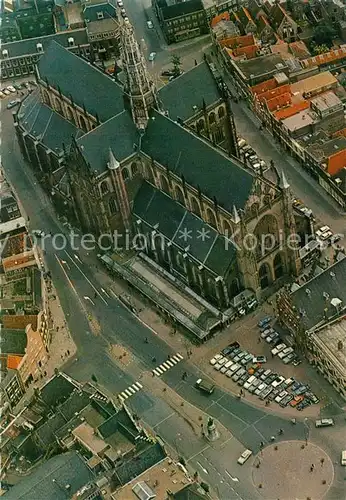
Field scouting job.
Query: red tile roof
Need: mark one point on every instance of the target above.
(279, 101)
(222, 17)
(270, 94)
(340, 133)
(291, 110)
(327, 57)
(336, 162)
(299, 49)
(249, 51)
(238, 41)
(13, 361)
(264, 86)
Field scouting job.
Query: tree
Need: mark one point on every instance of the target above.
(94, 378)
(323, 34)
(176, 65)
(319, 49)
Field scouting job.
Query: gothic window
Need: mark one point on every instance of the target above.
(278, 266)
(58, 107)
(112, 207)
(179, 195)
(125, 173)
(104, 187)
(134, 169)
(164, 184)
(210, 217)
(83, 124)
(150, 175)
(265, 276)
(70, 116)
(221, 112)
(267, 235)
(46, 98)
(200, 125)
(227, 230)
(195, 207)
(212, 118)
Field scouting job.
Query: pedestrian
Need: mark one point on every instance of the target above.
(322, 462)
(259, 340)
(312, 467)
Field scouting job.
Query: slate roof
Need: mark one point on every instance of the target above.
(68, 468)
(155, 207)
(29, 45)
(170, 10)
(200, 164)
(78, 79)
(39, 120)
(179, 96)
(118, 133)
(12, 341)
(56, 390)
(312, 304)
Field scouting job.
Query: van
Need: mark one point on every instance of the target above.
(324, 422)
(343, 457)
(205, 386)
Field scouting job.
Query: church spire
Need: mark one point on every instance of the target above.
(138, 86)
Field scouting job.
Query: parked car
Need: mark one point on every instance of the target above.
(266, 332)
(226, 367)
(296, 400)
(246, 359)
(285, 352)
(281, 396)
(13, 104)
(18, 86)
(234, 353)
(288, 382)
(278, 381)
(304, 404)
(264, 394)
(243, 379)
(273, 394)
(152, 56)
(259, 359)
(286, 400)
(260, 388)
(272, 338)
(265, 374)
(5, 91)
(2, 95)
(264, 321)
(215, 359)
(220, 363)
(249, 381)
(278, 348)
(244, 457)
(301, 390)
(254, 386)
(241, 143)
(236, 376)
(288, 359)
(11, 89)
(150, 24)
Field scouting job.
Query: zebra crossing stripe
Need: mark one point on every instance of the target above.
(138, 386)
(159, 369)
(156, 372)
(131, 389)
(170, 363)
(179, 356)
(166, 365)
(123, 395)
(162, 367)
(175, 359)
(128, 392)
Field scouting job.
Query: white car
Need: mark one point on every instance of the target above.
(281, 396)
(226, 366)
(5, 91)
(260, 388)
(215, 359)
(220, 363)
(11, 89)
(244, 457)
(250, 381)
(278, 381)
(278, 348)
(150, 24)
(285, 352)
(2, 95)
(152, 56)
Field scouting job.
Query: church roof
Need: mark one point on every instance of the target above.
(41, 122)
(119, 133)
(77, 78)
(198, 162)
(184, 229)
(180, 95)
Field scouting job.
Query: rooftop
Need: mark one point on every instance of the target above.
(172, 8)
(264, 65)
(323, 150)
(284, 113)
(325, 58)
(310, 299)
(50, 479)
(95, 27)
(326, 101)
(179, 96)
(58, 65)
(13, 341)
(314, 83)
(333, 337)
(85, 434)
(200, 164)
(164, 476)
(299, 120)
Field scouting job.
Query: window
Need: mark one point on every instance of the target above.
(100, 15)
(104, 187)
(83, 124)
(126, 174)
(134, 169)
(112, 207)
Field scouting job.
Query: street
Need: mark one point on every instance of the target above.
(84, 295)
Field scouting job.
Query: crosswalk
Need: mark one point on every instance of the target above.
(166, 365)
(130, 391)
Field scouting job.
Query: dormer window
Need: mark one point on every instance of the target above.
(70, 41)
(100, 15)
(39, 47)
(5, 53)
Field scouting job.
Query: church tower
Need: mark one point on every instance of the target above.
(138, 86)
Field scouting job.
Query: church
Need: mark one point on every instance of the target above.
(162, 166)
